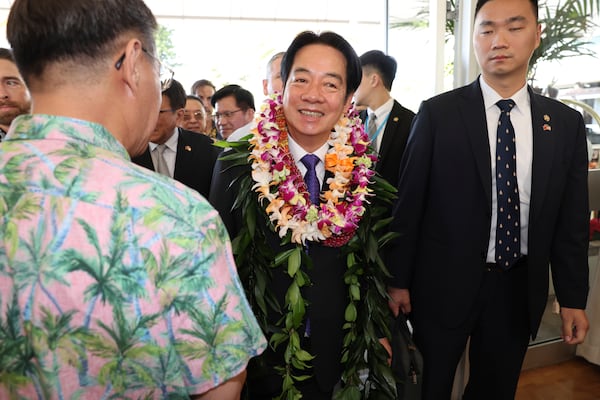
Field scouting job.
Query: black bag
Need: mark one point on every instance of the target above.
(407, 361)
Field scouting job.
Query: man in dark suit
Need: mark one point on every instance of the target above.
(183, 155)
(387, 121)
(320, 74)
(458, 267)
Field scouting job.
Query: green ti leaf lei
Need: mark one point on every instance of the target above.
(367, 314)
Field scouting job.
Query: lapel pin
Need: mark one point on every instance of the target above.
(396, 119)
(546, 118)
(546, 127)
(188, 148)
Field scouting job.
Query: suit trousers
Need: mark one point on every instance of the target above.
(498, 328)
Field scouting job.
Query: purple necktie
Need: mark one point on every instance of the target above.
(508, 228)
(310, 161)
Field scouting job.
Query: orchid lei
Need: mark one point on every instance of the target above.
(278, 180)
(279, 195)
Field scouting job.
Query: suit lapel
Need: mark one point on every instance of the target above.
(388, 134)
(183, 148)
(145, 159)
(472, 109)
(543, 153)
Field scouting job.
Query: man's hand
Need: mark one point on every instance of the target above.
(574, 325)
(399, 300)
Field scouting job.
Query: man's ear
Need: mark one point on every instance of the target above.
(374, 79)
(348, 102)
(179, 116)
(130, 68)
(249, 115)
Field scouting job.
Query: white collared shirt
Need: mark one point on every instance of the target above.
(170, 153)
(381, 113)
(520, 117)
(240, 132)
(298, 152)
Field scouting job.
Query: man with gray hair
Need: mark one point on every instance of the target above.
(115, 282)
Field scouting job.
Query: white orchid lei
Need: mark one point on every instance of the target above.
(275, 192)
(279, 182)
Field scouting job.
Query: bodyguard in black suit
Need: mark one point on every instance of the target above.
(189, 157)
(449, 268)
(387, 119)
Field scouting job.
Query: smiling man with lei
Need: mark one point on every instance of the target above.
(311, 268)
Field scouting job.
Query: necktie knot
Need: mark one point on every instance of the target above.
(506, 105)
(310, 161)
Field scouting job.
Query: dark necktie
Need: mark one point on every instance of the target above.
(310, 161)
(508, 228)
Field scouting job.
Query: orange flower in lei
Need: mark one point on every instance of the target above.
(279, 182)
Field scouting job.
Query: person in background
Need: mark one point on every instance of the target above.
(175, 152)
(115, 282)
(194, 115)
(14, 95)
(234, 112)
(386, 121)
(205, 90)
(492, 192)
(272, 82)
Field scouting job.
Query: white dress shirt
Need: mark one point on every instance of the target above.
(520, 117)
(298, 152)
(170, 153)
(381, 115)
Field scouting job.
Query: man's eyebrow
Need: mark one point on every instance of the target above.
(330, 74)
(510, 20)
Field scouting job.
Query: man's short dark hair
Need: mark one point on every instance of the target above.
(332, 39)
(481, 3)
(385, 66)
(42, 32)
(243, 98)
(6, 54)
(176, 95)
(201, 83)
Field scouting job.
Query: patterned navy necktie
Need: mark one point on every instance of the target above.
(310, 161)
(508, 227)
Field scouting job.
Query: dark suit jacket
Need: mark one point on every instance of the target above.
(194, 162)
(393, 142)
(443, 212)
(327, 296)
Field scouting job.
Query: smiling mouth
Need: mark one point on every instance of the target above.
(314, 114)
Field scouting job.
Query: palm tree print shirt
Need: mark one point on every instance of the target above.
(115, 282)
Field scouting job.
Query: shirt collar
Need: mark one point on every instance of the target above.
(298, 152)
(42, 126)
(383, 109)
(491, 97)
(171, 142)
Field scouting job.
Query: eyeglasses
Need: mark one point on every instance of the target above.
(197, 115)
(165, 73)
(166, 110)
(225, 114)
